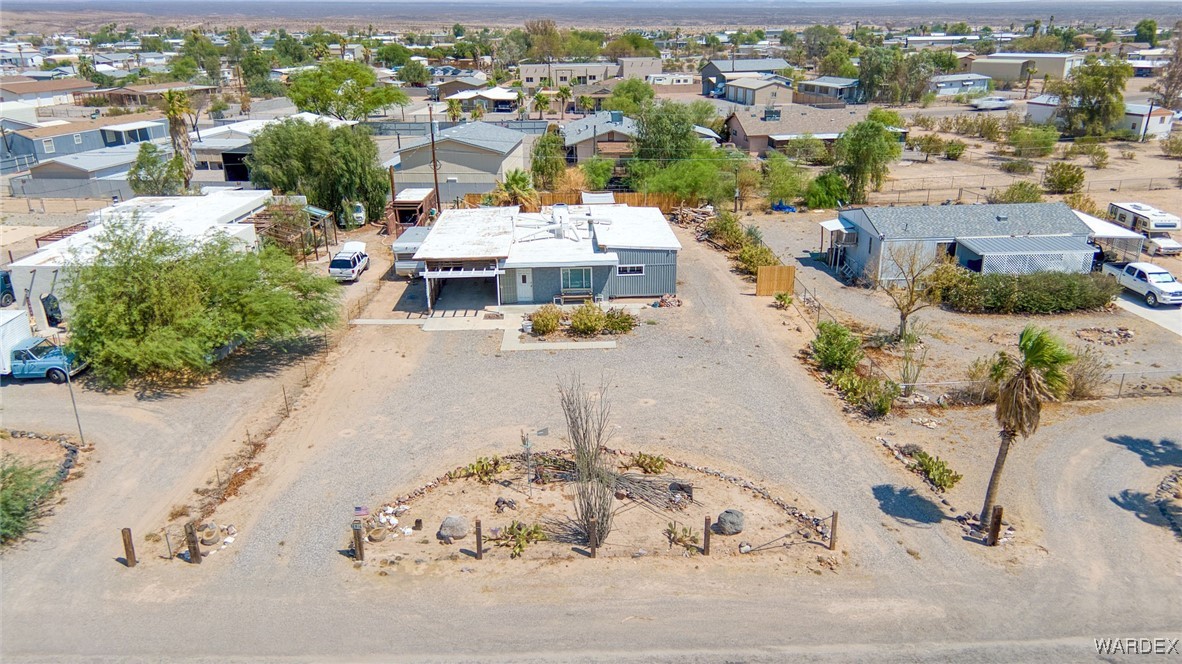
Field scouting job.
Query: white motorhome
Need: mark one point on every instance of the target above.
(1151, 222)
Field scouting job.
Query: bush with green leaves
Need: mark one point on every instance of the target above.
(1063, 178)
(588, 320)
(1034, 140)
(836, 348)
(1171, 146)
(1018, 167)
(1124, 134)
(23, 490)
(828, 190)
(936, 470)
(1023, 191)
(518, 536)
(726, 230)
(649, 464)
(1099, 158)
(546, 319)
(754, 256)
(153, 303)
(986, 373)
(874, 396)
(954, 149)
(783, 299)
(1034, 293)
(618, 321)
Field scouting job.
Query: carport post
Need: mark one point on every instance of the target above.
(427, 282)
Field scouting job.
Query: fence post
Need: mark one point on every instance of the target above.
(706, 538)
(358, 541)
(833, 533)
(994, 526)
(128, 548)
(191, 541)
(479, 535)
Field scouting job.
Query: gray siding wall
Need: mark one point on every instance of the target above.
(660, 274)
(548, 284)
(69, 188)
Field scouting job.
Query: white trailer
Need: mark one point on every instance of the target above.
(14, 328)
(1151, 222)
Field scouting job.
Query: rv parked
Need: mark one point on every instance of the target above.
(1151, 222)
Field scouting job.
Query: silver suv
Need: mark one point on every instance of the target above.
(349, 262)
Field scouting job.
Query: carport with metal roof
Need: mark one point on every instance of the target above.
(1024, 255)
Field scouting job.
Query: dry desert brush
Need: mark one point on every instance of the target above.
(588, 424)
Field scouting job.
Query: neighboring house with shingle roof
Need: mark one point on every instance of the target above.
(44, 93)
(758, 130)
(607, 133)
(24, 147)
(716, 73)
(758, 91)
(1009, 238)
(472, 158)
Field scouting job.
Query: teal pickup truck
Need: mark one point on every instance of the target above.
(23, 355)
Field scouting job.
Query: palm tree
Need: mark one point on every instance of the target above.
(177, 108)
(454, 110)
(542, 103)
(1037, 376)
(564, 96)
(516, 189)
(477, 112)
(586, 103)
(320, 51)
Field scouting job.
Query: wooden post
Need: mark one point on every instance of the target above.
(833, 533)
(593, 536)
(706, 538)
(994, 526)
(479, 541)
(418, 524)
(358, 541)
(191, 541)
(128, 548)
(168, 543)
(286, 406)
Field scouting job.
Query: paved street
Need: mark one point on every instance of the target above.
(711, 381)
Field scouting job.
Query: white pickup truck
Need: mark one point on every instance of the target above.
(1153, 283)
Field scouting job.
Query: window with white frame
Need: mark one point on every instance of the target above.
(47, 146)
(576, 278)
(630, 271)
(77, 139)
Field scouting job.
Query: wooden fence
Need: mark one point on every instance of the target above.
(773, 279)
(666, 202)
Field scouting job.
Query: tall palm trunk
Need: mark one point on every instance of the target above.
(1003, 450)
(182, 145)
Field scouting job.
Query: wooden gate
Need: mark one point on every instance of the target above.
(773, 279)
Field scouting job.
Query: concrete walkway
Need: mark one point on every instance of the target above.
(512, 341)
(1165, 315)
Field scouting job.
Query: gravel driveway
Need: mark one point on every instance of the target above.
(711, 381)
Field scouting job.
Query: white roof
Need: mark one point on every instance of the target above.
(250, 128)
(836, 224)
(625, 227)
(1107, 229)
(495, 94)
(189, 216)
(542, 240)
(132, 126)
(476, 233)
(414, 194)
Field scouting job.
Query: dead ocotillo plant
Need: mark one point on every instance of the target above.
(588, 431)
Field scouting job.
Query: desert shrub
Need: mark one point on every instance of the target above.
(1034, 141)
(1035, 293)
(874, 396)
(1018, 166)
(23, 490)
(783, 299)
(828, 190)
(1087, 373)
(726, 230)
(754, 256)
(927, 99)
(936, 470)
(588, 320)
(1019, 192)
(985, 372)
(1130, 155)
(1085, 204)
(618, 321)
(909, 449)
(1172, 146)
(1099, 158)
(923, 122)
(546, 319)
(518, 536)
(1061, 178)
(836, 348)
(1124, 134)
(649, 464)
(954, 150)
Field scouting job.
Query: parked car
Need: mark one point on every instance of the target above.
(7, 294)
(993, 104)
(25, 355)
(1153, 283)
(1159, 243)
(349, 262)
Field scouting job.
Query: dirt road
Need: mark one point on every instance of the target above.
(710, 381)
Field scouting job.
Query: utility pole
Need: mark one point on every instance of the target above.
(1148, 119)
(434, 163)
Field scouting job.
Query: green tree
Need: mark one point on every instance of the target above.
(516, 189)
(886, 118)
(585, 103)
(785, 180)
(394, 55)
(837, 63)
(818, 40)
(629, 96)
(1146, 30)
(458, 30)
(177, 108)
(1019, 192)
(183, 68)
(864, 153)
(876, 70)
(477, 112)
(199, 47)
(255, 66)
(630, 45)
(1091, 100)
(1037, 376)
(155, 174)
(828, 190)
(930, 144)
(541, 102)
(1168, 87)
(1063, 178)
(563, 96)
(454, 110)
(665, 132)
(342, 89)
(202, 294)
(330, 166)
(290, 51)
(597, 171)
(414, 73)
(548, 161)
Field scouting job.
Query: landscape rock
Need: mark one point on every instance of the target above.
(453, 527)
(744, 547)
(730, 522)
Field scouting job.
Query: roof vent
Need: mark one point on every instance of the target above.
(1002, 217)
(617, 117)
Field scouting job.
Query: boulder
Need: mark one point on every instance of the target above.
(730, 522)
(453, 527)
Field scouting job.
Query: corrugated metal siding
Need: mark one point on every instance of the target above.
(660, 274)
(509, 287)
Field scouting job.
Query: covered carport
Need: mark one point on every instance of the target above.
(1119, 244)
